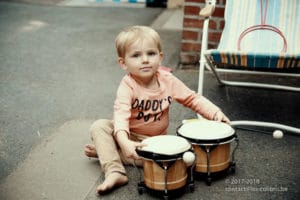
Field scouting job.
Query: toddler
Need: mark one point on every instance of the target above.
(141, 107)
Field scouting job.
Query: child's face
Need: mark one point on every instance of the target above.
(142, 59)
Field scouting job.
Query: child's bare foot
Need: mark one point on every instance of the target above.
(113, 180)
(90, 151)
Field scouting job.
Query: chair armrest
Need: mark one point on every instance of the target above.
(207, 11)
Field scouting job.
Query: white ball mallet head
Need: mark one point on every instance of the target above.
(277, 134)
(188, 158)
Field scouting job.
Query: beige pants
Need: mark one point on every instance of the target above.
(110, 155)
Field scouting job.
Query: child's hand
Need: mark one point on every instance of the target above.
(128, 147)
(221, 117)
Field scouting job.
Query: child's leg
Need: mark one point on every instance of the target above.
(102, 135)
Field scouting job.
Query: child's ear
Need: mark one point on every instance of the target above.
(161, 55)
(121, 62)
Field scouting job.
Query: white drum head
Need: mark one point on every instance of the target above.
(206, 130)
(166, 145)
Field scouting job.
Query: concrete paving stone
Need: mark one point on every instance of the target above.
(55, 169)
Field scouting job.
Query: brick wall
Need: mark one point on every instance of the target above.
(192, 31)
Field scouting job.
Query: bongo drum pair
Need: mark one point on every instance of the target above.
(211, 143)
(201, 146)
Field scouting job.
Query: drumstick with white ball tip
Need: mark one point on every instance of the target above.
(277, 134)
(266, 124)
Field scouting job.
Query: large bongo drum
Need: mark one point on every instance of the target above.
(211, 142)
(163, 164)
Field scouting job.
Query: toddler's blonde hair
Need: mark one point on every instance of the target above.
(134, 33)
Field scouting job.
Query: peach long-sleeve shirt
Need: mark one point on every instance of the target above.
(145, 111)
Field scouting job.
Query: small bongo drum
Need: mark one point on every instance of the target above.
(163, 164)
(211, 143)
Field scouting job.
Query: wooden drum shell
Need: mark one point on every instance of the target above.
(211, 142)
(219, 158)
(154, 175)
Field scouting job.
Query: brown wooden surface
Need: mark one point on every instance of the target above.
(154, 176)
(219, 158)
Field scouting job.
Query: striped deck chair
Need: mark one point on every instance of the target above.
(259, 37)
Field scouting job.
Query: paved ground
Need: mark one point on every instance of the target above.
(59, 74)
